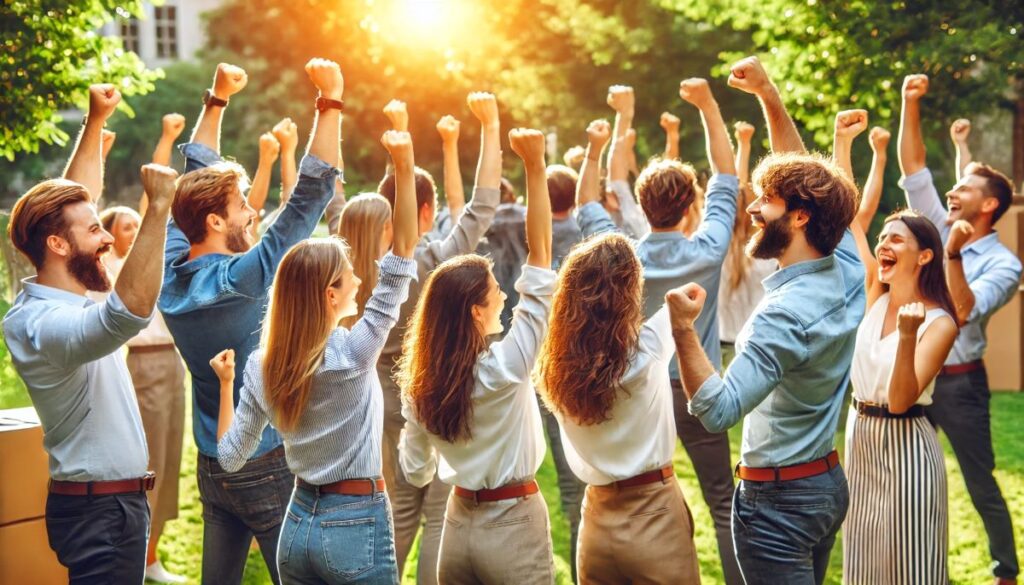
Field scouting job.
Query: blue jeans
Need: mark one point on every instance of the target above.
(331, 538)
(784, 531)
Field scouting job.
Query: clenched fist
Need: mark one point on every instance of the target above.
(398, 115)
(879, 138)
(959, 233)
(485, 107)
(528, 144)
(173, 125)
(960, 130)
(744, 131)
(850, 123)
(670, 123)
(228, 80)
(269, 148)
(448, 128)
(749, 75)
(287, 134)
(915, 86)
(598, 134)
(685, 304)
(621, 99)
(223, 365)
(103, 98)
(107, 142)
(909, 318)
(399, 146)
(326, 76)
(158, 183)
(696, 91)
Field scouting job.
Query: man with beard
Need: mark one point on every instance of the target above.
(66, 349)
(666, 190)
(793, 356)
(982, 275)
(215, 295)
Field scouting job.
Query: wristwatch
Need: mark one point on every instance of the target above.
(953, 256)
(211, 100)
(323, 103)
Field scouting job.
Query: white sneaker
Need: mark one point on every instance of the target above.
(158, 574)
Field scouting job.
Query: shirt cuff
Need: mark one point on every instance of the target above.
(724, 181)
(397, 266)
(117, 307)
(706, 396)
(916, 181)
(200, 153)
(486, 195)
(315, 168)
(536, 281)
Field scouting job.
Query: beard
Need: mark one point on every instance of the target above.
(85, 269)
(771, 241)
(236, 241)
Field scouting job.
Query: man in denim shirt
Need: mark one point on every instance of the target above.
(667, 189)
(983, 275)
(214, 297)
(793, 356)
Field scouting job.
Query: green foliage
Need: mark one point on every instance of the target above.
(52, 52)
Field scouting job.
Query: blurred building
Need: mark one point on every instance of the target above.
(167, 33)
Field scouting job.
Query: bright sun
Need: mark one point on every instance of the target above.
(437, 23)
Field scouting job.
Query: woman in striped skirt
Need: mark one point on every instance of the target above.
(895, 529)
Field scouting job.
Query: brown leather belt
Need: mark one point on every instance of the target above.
(790, 472)
(150, 348)
(505, 492)
(644, 478)
(882, 411)
(103, 488)
(967, 368)
(346, 487)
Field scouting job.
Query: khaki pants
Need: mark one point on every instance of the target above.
(496, 543)
(159, 379)
(640, 535)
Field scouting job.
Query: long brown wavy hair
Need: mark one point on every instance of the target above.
(594, 330)
(297, 328)
(442, 344)
(362, 222)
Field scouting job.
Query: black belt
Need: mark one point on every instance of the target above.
(880, 411)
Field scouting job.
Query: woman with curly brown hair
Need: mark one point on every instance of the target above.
(604, 373)
(470, 408)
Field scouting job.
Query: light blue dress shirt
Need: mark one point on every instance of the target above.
(992, 271)
(792, 363)
(67, 349)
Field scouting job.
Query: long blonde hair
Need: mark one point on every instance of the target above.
(297, 328)
(362, 222)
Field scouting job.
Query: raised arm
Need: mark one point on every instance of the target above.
(956, 279)
(697, 92)
(622, 100)
(399, 146)
(670, 124)
(86, 163)
(749, 75)
(227, 81)
(398, 114)
(488, 171)
(588, 186)
(172, 125)
(454, 195)
(326, 138)
(138, 286)
(269, 149)
(529, 145)
(223, 365)
(848, 125)
(287, 134)
(107, 139)
(959, 132)
(872, 194)
(911, 145)
(744, 133)
(917, 362)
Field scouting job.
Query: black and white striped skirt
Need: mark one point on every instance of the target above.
(896, 530)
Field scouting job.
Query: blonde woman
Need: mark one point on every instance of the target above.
(366, 228)
(318, 384)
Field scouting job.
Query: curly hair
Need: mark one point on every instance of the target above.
(594, 330)
(666, 189)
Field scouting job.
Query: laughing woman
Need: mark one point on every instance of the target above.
(471, 410)
(317, 383)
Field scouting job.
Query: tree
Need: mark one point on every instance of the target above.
(53, 53)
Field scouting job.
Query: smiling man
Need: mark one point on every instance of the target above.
(982, 275)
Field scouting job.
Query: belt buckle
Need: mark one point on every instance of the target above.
(149, 481)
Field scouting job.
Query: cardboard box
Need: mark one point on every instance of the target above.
(25, 555)
(1004, 357)
(24, 467)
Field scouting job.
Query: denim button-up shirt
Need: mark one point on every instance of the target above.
(992, 270)
(671, 260)
(792, 362)
(218, 301)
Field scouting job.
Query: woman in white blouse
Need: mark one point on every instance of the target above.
(896, 528)
(471, 410)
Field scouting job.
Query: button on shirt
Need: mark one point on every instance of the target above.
(671, 260)
(218, 301)
(792, 363)
(508, 437)
(68, 350)
(992, 270)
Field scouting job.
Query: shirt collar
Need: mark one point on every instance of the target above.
(982, 245)
(49, 293)
(784, 275)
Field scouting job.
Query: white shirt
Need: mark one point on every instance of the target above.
(640, 433)
(156, 332)
(507, 443)
(874, 355)
(736, 304)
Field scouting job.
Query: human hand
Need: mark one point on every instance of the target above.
(959, 233)
(326, 76)
(107, 142)
(670, 123)
(960, 130)
(173, 125)
(743, 131)
(850, 123)
(909, 318)
(158, 183)
(223, 365)
(598, 134)
(915, 86)
(398, 115)
(485, 107)
(448, 128)
(696, 91)
(228, 80)
(685, 304)
(528, 144)
(103, 98)
(879, 138)
(269, 148)
(287, 135)
(749, 75)
(621, 99)
(399, 146)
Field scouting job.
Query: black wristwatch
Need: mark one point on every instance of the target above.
(211, 100)
(323, 103)
(953, 256)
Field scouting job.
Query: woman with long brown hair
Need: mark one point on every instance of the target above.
(471, 410)
(366, 228)
(316, 382)
(604, 373)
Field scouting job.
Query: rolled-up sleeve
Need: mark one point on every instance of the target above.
(242, 438)
(594, 219)
(634, 224)
(924, 198)
(198, 156)
(71, 336)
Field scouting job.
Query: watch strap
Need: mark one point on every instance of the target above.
(211, 100)
(323, 103)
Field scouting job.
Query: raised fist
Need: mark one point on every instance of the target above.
(398, 145)
(448, 128)
(749, 75)
(107, 142)
(287, 134)
(528, 144)
(485, 107)
(598, 134)
(960, 130)
(685, 304)
(223, 365)
(158, 183)
(173, 125)
(744, 131)
(909, 318)
(621, 99)
(696, 91)
(398, 115)
(670, 123)
(103, 98)
(959, 233)
(269, 148)
(879, 138)
(915, 86)
(228, 80)
(850, 123)
(326, 76)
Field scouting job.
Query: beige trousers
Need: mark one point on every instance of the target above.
(641, 535)
(496, 543)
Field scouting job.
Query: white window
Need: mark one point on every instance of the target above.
(129, 29)
(166, 24)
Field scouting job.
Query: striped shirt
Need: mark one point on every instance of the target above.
(338, 435)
